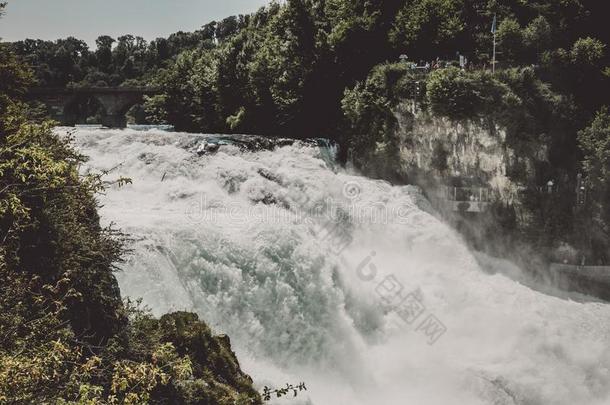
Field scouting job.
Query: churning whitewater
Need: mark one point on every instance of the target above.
(348, 284)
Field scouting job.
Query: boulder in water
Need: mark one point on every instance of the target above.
(206, 147)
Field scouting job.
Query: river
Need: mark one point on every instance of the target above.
(346, 283)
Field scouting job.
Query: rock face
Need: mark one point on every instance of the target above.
(437, 146)
(216, 374)
(436, 152)
(212, 357)
(472, 148)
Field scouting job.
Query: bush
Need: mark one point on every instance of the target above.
(587, 52)
(510, 40)
(453, 93)
(369, 112)
(66, 335)
(538, 36)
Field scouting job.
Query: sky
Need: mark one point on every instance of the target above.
(87, 19)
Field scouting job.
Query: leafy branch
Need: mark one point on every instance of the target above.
(268, 393)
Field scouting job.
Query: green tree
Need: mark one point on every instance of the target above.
(587, 81)
(369, 110)
(510, 41)
(587, 52)
(538, 37)
(103, 52)
(226, 28)
(452, 93)
(14, 82)
(288, 55)
(595, 144)
(429, 28)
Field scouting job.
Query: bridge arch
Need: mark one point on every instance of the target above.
(81, 108)
(116, 108)
(114, 102)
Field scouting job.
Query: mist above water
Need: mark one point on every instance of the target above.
(348, 284)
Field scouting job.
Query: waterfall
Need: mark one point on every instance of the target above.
(349, 284)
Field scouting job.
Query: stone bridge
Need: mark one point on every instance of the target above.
(116, 101)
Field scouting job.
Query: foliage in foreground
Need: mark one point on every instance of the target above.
(65, 335)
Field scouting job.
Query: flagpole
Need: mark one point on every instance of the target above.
(493, 62)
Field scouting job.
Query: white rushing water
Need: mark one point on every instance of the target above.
(381, 304)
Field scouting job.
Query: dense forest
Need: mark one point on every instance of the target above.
(285, 69)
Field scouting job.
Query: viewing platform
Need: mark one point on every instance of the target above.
(466, 199)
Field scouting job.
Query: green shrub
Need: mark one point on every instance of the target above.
(66, 336)
(510, 40)
(453, 93)
(587, 52)
(368, 109)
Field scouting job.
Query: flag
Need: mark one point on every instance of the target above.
(493, 25)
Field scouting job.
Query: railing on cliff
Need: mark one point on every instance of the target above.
(462, 199)
(596, 273)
